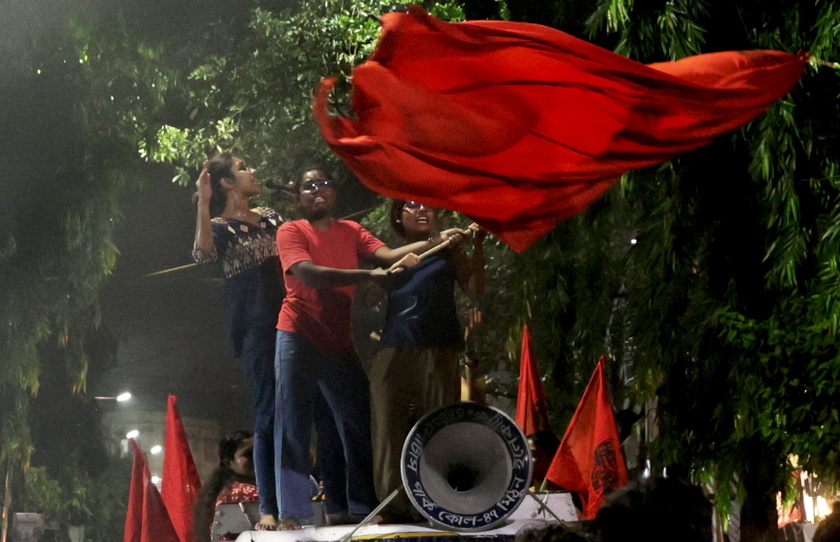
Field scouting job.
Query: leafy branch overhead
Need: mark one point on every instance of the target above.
(732, 285)
(256, 99)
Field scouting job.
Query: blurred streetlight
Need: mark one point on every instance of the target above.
(134, 433)
(156, 449)
(121, 398)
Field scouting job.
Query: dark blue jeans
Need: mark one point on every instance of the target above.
(302, 374)
(256, 353)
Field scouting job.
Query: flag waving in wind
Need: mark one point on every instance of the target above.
(589, 460)
(531, 407)
(180, 485)
(146, 519)
(519, 126)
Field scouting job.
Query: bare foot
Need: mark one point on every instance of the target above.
(289, 524)
(267, 523)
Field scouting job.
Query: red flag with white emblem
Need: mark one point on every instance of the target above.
(589, 459)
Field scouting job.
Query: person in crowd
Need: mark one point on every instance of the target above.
(564, 532)
(829, 528)
(232, 482)
(655, 510)
(416, 369)
(315, 354)
(241, 237)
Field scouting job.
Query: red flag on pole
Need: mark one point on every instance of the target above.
(180, 485)
(146, 519)
(519, 126)
(134, 512)
(531, 407)
(589, 460)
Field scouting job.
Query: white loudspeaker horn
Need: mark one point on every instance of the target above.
(466, 466)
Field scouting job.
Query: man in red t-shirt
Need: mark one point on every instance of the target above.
(315, 351)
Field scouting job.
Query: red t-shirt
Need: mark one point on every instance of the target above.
(322, 316)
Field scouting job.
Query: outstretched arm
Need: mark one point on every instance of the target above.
(294, 248)
(390, 256)
(318, 276)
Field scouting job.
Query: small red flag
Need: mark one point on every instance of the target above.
(531, 407)
(519, 126)
(134, 512)
(589, 460)
(146, 519)
(181, 484)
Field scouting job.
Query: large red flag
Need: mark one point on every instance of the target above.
(180, 485)
(146, 519)
(589, 460)
(531, 407)
(519, 126)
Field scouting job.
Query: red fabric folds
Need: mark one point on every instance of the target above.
(531, 407)
(146, 518)
(589, 460)
(519, 126)
(181, 484)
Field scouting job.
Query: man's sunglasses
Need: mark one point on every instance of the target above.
(311, 186)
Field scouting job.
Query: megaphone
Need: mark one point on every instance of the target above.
(466, 467)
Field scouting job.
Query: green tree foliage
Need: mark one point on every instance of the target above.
(710, 281)
(732, 285)
(97, 500)
(255, 98)
(75, 111)
(56, 229)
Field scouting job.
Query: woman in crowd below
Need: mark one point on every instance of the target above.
(315, 354)
(241, 237)
(416, 369)
(231, 483)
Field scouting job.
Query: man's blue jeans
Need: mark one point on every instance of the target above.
(301, 374)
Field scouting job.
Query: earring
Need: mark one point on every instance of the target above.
(398, 221)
